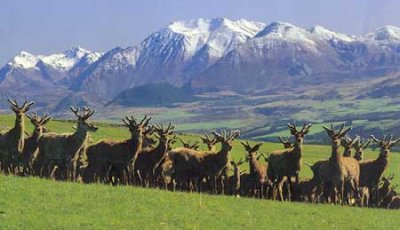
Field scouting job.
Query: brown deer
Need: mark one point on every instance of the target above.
(12, 141)
(258, 171)
(386, 192)
(360, 148)
(235, 183)
(371, 171)
(338, 170)
(63, 149)
(121, 155)
(287, 163)
(348, 144)
(148, 140)
(147, 159)
(191, 166)
(31, 143)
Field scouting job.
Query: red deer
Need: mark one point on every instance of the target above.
(258, 171)
(148, 158)
(63, 149)
(338, 170)
(235, 183)
(360, 147)
(31, 143)
(287, 163)
(12, 141)
(191, 166)
(348, 145)
(371, 171)
(106, 154)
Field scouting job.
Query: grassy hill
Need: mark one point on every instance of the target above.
(27, 202)
(32, 203)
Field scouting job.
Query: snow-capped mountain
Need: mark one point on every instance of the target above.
(173, 54)
(209, 54)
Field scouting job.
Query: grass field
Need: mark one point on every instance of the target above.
(31, 203)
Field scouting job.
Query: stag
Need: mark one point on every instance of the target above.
(235, 181)
(371, 171)
(31, 143)
(348, 144)
(360, 148)
(338, 170)
(64, 150)
(258, 171)
(12, 141)
(147, 159)
(120, 155)
(191, 166)
(287, 163)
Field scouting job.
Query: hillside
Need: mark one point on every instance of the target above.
(28, 202)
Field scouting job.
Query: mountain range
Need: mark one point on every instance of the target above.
(205, 55)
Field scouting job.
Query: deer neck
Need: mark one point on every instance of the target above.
(19, 133)
(253, 162)
(79, 137)
(223, 154)
(298, 148)
(161, 148)
(336, 157)
(137, 145)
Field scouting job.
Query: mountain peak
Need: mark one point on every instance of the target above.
(65, 60)
(206, 26)
(326, 34)
(24, 60)
(385, 33)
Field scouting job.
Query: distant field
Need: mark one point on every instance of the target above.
(27, 202)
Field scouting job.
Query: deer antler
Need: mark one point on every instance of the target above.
(375, 139)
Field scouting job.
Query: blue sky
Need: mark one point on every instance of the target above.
(47, 26)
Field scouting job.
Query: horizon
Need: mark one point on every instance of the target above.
(47, 27)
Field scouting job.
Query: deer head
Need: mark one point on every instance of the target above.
(336, 136)
(187, 144)
(208, 141)
(20, 110)
(348, 144)
(385, 145)
(136, 129)
(286, 143)
(83, 116)
(251, 151)
(360, 147)
(39, 122)
(236, 166)
(226, 140)
(164, 133)
(299, 135)
(147, 134)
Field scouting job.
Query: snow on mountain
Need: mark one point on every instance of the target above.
(66, 60)
(220, 34)
(24, 60)
(383, 34)
(326, 34)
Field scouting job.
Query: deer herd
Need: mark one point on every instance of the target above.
(147, 159)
